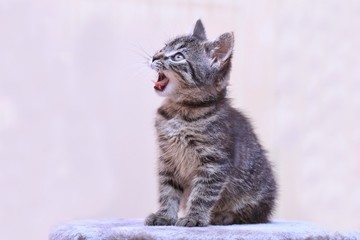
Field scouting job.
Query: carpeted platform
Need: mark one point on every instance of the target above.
(134, 229)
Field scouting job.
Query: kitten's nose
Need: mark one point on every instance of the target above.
(157, 56)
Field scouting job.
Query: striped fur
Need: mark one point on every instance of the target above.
(211, 164)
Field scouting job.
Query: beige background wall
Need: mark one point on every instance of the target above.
(77, 106)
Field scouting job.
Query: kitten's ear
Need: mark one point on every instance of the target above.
(199, 31)
(221, 49)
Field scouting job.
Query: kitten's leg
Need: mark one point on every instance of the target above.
(206, 191)
(170, 195)
(258, 213)
(223, 218)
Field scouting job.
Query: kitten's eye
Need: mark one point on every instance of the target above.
(178, 57)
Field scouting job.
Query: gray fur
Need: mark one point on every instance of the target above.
(211, 163)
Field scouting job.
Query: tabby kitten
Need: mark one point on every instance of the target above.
(211, 163)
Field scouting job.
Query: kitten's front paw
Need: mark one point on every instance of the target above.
(157, 219)
(192, 222)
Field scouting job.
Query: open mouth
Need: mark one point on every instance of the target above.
(161, 82)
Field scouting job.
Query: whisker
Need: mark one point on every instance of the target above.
(139, 54)
(141, 51)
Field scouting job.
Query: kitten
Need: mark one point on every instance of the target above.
(210, 159)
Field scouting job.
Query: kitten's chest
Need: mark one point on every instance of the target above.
(177, 140)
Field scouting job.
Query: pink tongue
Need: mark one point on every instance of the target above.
(160, 84)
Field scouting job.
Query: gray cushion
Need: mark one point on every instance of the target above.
(135, 229)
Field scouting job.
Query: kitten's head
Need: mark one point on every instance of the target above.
(192, 68)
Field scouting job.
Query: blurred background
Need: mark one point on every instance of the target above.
(77, 106)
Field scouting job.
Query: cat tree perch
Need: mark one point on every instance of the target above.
(134, 229)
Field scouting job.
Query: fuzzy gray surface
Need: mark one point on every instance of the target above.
(134, 229)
